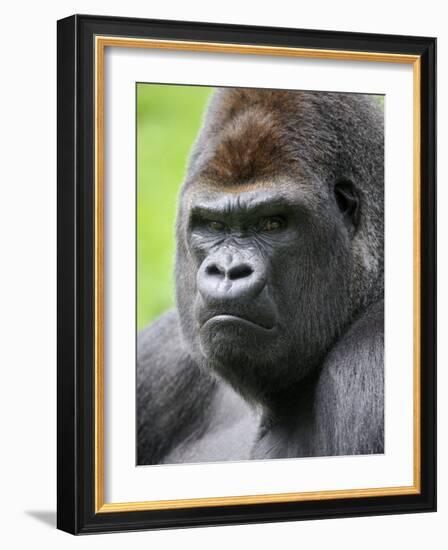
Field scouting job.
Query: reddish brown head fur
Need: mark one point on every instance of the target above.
(249, 128)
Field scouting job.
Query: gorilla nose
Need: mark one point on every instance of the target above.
(238, 271)
(228, 278)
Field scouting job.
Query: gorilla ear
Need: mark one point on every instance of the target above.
(348, 201)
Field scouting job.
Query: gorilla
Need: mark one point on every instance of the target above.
(275, 347)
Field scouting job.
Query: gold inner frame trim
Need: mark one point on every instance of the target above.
(101, 42)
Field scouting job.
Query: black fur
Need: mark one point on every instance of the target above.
(276, 347)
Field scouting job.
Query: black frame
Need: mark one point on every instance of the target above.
(75, 475)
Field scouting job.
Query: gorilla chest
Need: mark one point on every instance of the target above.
(226, 432)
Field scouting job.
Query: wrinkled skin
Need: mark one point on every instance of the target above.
(275, 348)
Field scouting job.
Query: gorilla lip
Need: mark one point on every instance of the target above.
(224, 317)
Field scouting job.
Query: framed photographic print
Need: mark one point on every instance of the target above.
(246, 274)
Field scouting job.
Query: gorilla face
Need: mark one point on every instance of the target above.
(258, 257)
(267, 270)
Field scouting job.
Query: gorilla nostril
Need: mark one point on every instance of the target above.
(240, 271)
(214, 270)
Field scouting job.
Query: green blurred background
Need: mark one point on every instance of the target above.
(168, 120)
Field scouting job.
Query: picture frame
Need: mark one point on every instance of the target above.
(82, 201)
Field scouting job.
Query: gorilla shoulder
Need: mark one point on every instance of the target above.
(159, 349)
(350, 391)
(166, 379)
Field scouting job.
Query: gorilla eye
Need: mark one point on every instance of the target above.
(347, 200)
(216, 226)
(273, 223)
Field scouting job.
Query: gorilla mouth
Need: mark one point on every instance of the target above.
(237, 319)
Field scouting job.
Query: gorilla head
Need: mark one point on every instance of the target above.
(279, 232)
